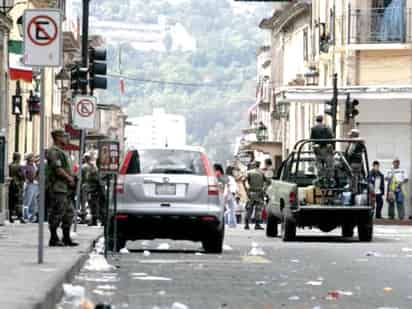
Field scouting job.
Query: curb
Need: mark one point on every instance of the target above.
(53, 296)
(393, 222)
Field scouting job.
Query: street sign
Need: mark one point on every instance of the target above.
(84, 112)
(43, 39)
(108, 160)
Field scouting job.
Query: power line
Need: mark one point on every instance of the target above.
(174, 83)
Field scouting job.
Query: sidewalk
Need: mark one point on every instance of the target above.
(24, 284)
(392, 222)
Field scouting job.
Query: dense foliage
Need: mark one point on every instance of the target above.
(224, 61)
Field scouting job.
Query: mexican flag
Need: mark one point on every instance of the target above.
(17, 70)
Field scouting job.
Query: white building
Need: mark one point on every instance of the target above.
(159, 129)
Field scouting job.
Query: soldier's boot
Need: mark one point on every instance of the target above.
(54, 239)
(246, 224)
(67, 241)
(258, 226)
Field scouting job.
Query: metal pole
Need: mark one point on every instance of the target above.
(16, 134)
(107, 226)
(335, 99)
(79, 179)
(85, 35)
(42, 167)
(114, 214)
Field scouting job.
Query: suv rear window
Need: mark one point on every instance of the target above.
(166, 161)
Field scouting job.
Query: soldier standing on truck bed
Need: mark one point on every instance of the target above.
(323, 151)
(256, 186)
(354, 154)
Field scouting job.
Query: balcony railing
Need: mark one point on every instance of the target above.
(380, 25)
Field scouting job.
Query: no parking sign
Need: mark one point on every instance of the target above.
(42, 37)
(84, 112)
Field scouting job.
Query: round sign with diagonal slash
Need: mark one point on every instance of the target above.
(84, 112)
(42, 30)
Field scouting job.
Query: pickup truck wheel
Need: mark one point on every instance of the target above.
(288, 230)
(347, 231)
(365, 231)
(272, 226)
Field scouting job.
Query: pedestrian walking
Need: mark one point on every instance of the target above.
(16, 189)
(229, 197)
(256, 183)
(60, 185)
(377, 182)
(396, 178)
(31, 189)
(92, 190)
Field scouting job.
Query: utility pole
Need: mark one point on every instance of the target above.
(83, 89)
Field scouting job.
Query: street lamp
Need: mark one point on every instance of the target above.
(6, 6)
(63, 77)
(312, 77)
(283, 109)
(261, 132)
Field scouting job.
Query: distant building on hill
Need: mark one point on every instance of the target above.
(158, 130)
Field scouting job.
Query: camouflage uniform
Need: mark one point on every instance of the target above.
(60, 208)
(92, 190)
(257, 182)
(16, 190)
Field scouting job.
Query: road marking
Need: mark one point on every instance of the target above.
(255, 260)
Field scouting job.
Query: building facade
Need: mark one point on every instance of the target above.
(368, 45)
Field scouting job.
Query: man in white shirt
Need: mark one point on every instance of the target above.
(396, 178)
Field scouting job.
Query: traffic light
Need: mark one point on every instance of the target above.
(34, 104)
(17, 108)
(332, 108)
(79, 78)
(97, 69)
(350, 109)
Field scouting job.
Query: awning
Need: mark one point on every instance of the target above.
(322, 94)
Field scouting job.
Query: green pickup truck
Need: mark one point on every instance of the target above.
(295, 200)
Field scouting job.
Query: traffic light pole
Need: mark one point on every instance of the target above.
(85, 48)
(17, 128)
(335, 99)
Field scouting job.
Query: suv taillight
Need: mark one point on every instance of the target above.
(213, 188)
(120, 185)
(292, 198)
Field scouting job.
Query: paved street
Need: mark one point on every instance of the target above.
(317, 271)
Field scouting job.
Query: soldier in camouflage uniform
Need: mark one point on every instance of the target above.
(16, 189)
(60, 183)
(92, 189)
(256, 186)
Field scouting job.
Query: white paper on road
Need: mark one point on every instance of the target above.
(103, 293)
(198, 253)
(345, 293)
(227, 248)
(314, 283)
(106, 287)
(179, 306)
(261, 282)
(151, 278)
(294, 298)
(161, 293)
(163, 246)
(124, 251)
(97, 262)
(295, 261)
(73, 293)
(146, 253)
(106, 278)
(406, 249)
(256, 250)
(138, 274)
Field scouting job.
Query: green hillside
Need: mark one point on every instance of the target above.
(224, 62)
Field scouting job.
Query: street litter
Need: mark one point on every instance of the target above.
(283, 284)
(314, 283)
(227, 248)
(97, 262)
(161, 293)
(179, 306)
(124, 251)
(387, 289)
(146, 253)
(106, 287)
(406, 249)
(198, 253)
(73, 293)
(138, 274)
(103, 293)
(332, 295)
(372, 253)
(320, 279)
(294, 298)
(104, 279)
(345, 293)
(151, 278)
(163, 246)
(261, 282)
(295, 261)
(256, 250)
